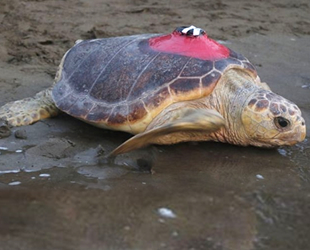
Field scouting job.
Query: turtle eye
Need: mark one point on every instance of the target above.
(281, 122)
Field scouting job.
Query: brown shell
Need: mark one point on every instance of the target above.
(117, 81)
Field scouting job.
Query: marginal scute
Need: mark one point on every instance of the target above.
(66, 103)
(82, 107)
(100, 112)
(61, 90)
(153, 100)
(250, 67)
(221, 65)
(136, 111)
(119, 115)
(183, 85)
(211, 79)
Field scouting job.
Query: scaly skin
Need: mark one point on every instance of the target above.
(247, 123)
(32, 109)
(251, 113)
(29, 110)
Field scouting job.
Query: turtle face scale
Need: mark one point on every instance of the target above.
(271, 120)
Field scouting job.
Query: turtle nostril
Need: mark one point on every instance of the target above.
(303, 124)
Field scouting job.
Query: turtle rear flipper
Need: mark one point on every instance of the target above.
(29, 110)
(186, 120)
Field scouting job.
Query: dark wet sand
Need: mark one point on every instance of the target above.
(220, 196)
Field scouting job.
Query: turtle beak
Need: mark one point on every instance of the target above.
(303, 130)
(298, 134)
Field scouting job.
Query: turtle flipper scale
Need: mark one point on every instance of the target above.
(29, 110)
(188, 120)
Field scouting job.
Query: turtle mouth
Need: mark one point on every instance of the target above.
(283, 132)
(275, 143)
(289, 138)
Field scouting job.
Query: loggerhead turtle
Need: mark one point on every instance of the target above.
(165, 89)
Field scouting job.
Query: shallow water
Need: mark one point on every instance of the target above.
(58, 192)
(221, 197)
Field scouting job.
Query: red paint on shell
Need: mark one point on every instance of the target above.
(201, 46)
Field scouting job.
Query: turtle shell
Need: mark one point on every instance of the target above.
(122, 83)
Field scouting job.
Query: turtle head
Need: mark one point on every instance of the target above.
(271, 120)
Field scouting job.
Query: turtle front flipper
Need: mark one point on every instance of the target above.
(29, 110)
(186, 121)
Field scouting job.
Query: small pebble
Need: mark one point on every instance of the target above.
(19, 151)
(14, 183)
(9, 171)
(161, 220)
(175, 233)
(29, 170)
(282, 151)
(258, 176)
(306, 86)
(44, 175)
(166, 212)
(3, 148)
(21, 134)
(4, 129)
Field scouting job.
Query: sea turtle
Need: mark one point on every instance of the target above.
(165, 89)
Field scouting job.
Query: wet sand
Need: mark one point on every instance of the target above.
(56, 190)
